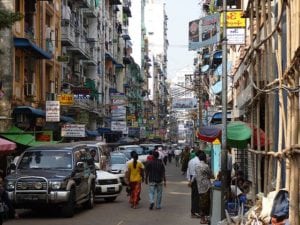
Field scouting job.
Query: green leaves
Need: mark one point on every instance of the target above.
(7, 18)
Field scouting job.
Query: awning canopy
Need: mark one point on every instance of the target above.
(92, 133)
(24, 43)
(38, 113)
(21, 137)
(238, 134)
(209, 133)
(29, 110)
(7, 146)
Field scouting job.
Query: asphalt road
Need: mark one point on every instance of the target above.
(175, 209)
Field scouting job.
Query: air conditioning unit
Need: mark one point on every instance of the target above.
(29, 89)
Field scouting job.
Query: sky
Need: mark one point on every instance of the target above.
(179, 13)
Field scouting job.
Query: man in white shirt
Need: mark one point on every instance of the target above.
(191, 177)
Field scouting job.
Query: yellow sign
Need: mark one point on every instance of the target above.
(216, 141)
(234, 19)
(66, 99)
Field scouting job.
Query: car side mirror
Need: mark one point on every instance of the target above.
(13, 166)
(79, 166)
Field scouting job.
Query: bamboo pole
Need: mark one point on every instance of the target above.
(281, 128)
(258, 79)
(271, 126)
(265, 75)
(253, 156)
(289, 114)
(295, 119)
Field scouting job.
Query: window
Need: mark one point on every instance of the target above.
(17, 68)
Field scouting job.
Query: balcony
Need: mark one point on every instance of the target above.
(90, 12)
(92, 61)
(80, 48)
(67, 33)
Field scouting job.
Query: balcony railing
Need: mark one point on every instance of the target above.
(67, 33)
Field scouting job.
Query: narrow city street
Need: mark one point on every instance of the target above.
(175, 209)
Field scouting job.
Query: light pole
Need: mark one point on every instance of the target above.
(224, 111)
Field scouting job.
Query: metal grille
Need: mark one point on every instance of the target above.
(31, 184)
(108, 182)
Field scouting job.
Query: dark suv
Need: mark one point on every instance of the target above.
(61, 175)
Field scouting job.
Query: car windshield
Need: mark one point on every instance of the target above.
(117, 160)
(46, 160)
(139, 150)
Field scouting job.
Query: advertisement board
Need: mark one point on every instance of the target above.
(234, 19)
(236, 36)
(204, 31)
(119, 126)
(52, 111)
(73, 130)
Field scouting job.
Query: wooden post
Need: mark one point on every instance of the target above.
(265, 76)
(258, 79)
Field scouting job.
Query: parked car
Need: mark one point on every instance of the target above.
(53, 175)
(108, 186)
(117, 164)
(126, 149)
(148, 148)
(101, 157)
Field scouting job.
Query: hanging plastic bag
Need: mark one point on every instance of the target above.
(280, 208)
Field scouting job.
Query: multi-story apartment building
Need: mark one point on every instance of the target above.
(75, 52)
(33, 71)
(158, 44)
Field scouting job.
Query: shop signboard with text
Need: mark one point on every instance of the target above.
(73, 130)
(52, 111)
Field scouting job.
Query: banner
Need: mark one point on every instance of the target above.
(204, 31)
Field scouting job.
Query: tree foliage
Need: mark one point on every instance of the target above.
(8, 18)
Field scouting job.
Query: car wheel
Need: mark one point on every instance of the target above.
(110, 199)
(69, 208)
(89, 204)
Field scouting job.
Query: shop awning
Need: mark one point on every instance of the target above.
(26, 44)
(38, 113)
(238, 134)
(7, 146)
(262, 136)
(29, 110)
(209, 133)
(19, 136)
(92, 133)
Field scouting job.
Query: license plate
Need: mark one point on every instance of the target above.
(111, 189)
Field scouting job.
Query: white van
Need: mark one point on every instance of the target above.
(102, 153)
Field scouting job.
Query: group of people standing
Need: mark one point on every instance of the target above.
(198, 174)
(152, 174)
(194, 166)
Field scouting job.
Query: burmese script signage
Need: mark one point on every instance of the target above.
(66, 99)
(73, 130)
(234, 19)
(52, 111)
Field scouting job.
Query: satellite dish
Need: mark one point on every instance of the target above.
(217, 87)
(204, 68)
(218, 70)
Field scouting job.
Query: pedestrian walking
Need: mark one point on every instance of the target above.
(134, 178)
(192, 183)
(6, 206)
(185, 157)
(177, 154)
(203, 175)
(156, 178)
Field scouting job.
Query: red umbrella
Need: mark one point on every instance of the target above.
(7, 146)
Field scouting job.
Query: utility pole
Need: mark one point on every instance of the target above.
(224, 112)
